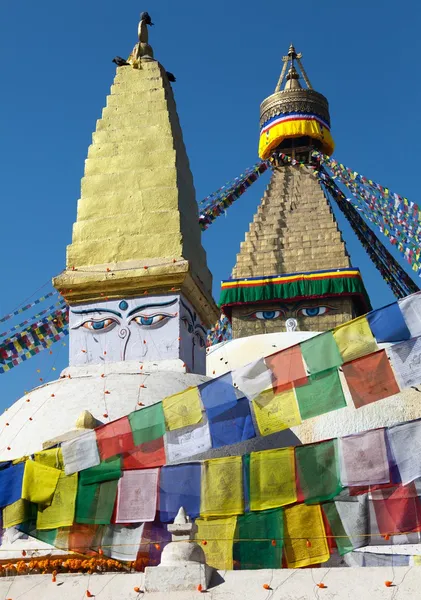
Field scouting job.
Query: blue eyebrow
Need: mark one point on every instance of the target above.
(152, 305)
(92, 310)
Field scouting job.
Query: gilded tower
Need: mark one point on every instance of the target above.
(293, 270)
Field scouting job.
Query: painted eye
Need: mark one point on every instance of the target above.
(314, 311)
(152, 321)
(200, 340)
(267, 315)
(102, 325)
(187, 324)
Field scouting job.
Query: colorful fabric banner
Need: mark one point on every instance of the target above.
(147, 424)
(39, 482)
(222, 487)
(411, 310)
(61, 511)
(121, 542)
(182, 409)
(187, 442)
(16, 513)
(302, 524)
(11, 478)
(323, 393)
(233, 425)
(287, 366)
(276, 411)
(261, 540)
(108, 470)
(370, 379)
(95, 503)
(343, 543)
(398, 510)
(51, 458)
(363, 458)
(318, 471)
(137, 496)
(80, 453)
(27, 306)
(145, 456)
(321, 353)
(405, 443)
(252, 379)
(354, 515)
(388, 325)
(272, 479)
(179, 485)
(114, 438)
(406, 361)
(219, 537)
(354, 339)
(218, 393)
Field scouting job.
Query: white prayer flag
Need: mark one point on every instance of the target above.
(406, 361)
(80, 453)
(122, 542)
(185, 443)
(253, 379)
(363, 459)
(405, 442)
(137, 496)
(411, 310)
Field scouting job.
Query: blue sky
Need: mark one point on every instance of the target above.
(57, 70)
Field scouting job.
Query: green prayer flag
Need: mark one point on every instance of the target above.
(321, 394)
(107, 470)
(95, 503)
(321, 352)
(261, 539)
(147, 424)
(343, 542)
(318, 471)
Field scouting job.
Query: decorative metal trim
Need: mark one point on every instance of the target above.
(287, 101)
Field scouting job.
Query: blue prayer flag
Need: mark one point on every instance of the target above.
(388, 325)
(179, 485)
(218, 394)
(230, 424)
(11, 484)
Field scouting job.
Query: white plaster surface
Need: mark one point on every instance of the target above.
(300, 584)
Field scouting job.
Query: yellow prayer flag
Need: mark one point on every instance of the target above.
(219, 536)
(50, 458)
(275, 412)
(272, 478)
(16, 513)
(304, 523)
(61, 511)
(417, 560)
(354, 339)
(39, 482)
(182, 409)
(222, 487)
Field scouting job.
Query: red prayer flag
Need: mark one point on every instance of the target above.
(370, 378)
(287, 366)
(144, 456)
(398, 509)
(114, 438)
(81, 538)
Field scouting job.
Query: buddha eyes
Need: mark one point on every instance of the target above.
(264, 315)
(144, 321)
(271, 315)
(101, 325)
(313, 311)
(151, 321)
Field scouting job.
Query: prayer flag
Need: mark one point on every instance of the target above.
(136, 496)
(39, 482)
(261, 540)
(321, 352)
(370, 378)
(80, 538)
(232, 425)
(179, 485)
(318, 470)
(80, 453)
(121, 542)
(406, 360)
(363, 458)
(405, 444)
(222, 487)
(397, 509)
(186, 442)
(246, 482)
(61, 511)
(11, 484)
(411, 311)
(343, 543)
(50, 458)
(108, 470)
(388, 325)
(355, 339)
(148, 424)
(182, 409)
(114, 438)
(147, 455)
(253, 378)
(276, 411)
(323, 393)
(219, 393)
(287, 366)
(272, 478)
(95, 502)
(16, 513)
(304, 523)
(354, 515)
(219, 536)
